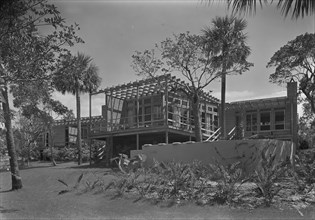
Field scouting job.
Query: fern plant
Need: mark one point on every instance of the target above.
(229, 178)
(268, 174)
(70, 188)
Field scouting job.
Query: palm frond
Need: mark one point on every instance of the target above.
(297, 8)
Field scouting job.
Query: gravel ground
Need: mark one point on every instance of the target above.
(40, 199)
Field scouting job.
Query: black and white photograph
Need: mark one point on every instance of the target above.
(157, 109)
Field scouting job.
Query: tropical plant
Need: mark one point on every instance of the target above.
(77, 75)
(225, 42)
(268, 174)
(229, 179)
(68, 187)
(297, 8)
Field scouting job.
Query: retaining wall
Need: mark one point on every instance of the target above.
(248, 152)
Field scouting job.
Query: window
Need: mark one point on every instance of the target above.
(184, 103)
(279, 119)
(147, 101)
(215, 109)
(251, 121)
(265, 121)
(147, 113)
(177, 101)
(140, 115)
(170, 112)
(203, 120)
(184, 116)
(215, 121)
(157, 112)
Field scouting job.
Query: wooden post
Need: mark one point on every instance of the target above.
(111, 110)
(90, 125)
(138, 106)
(166, 110)
(137, 140)
(166, 103)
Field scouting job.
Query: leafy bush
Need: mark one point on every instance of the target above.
(65, 154)
(268, 174)
(70, 188)
(182, 182)
(229, 178)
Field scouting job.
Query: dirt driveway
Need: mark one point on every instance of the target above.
(39, 199)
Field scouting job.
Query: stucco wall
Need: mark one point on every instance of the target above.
(225, 152)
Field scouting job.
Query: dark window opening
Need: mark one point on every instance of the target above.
(279, 120)
(265, 121)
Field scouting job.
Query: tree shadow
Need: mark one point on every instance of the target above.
(93, 166)
(4, 210)
(6, 191)
(34, 167)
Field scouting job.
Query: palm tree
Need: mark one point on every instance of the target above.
(226, 42)
(77, 75)
(297, 8)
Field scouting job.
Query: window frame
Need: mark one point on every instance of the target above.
(266, 126)
(279, 123)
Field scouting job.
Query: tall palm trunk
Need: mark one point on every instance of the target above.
(222, 109)
(197, 120)
(15, 173)
(79, 143)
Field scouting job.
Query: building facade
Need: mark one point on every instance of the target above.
(155, 111)
(273, 118)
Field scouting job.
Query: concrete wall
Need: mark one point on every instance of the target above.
(224, 152)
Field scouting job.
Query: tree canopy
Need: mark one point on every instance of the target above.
(296, 60)
(77, 74)
(33, 39)
(197, 58)
(225, 41)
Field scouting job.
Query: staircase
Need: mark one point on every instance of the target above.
(99, 154)
(216, 135)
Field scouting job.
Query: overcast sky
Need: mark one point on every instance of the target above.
(114, 30)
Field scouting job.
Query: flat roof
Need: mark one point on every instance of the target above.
(258, 103)
(151, 86)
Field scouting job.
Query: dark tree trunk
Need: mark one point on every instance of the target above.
(15, 173)
(52, 144)
(197, 120)
(79, 143)
(222, 107)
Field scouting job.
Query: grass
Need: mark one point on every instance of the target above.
(40, 198)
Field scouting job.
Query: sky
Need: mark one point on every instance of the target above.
(114, 30)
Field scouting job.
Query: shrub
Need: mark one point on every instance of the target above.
(69, 188)
(182, 182)
(229, 178)
(268, 174)
(305, 166)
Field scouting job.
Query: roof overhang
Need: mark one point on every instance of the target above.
(277, 102)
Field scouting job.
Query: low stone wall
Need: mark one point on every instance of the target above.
(248, 152)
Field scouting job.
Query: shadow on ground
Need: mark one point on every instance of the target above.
(4, 210)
